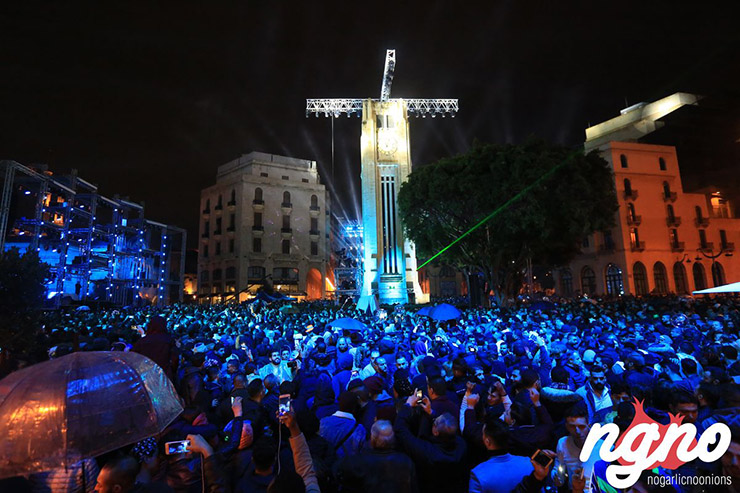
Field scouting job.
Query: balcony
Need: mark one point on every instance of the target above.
(673, 221)
(701, 222)
(206, 213)
(314, 234)
(669, 197)
(258, 205)
(637, 246)
(630, 194)
(707, 245)
(258, 231)
(634, 220)
(205, 235)
(231, 204)
(217, 232)
(287, 207)
(607, 247)
(286, 233)
(230, 229)
(314, 211)
(218, 208)
(678, 246)
(728, 246)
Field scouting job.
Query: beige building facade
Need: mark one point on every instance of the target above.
(265, 221)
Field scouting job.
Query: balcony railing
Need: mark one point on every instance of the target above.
(678, 246)
(637, 246)
(634, 220)
(258, 202)
(673, 221)
(606, 247)
(315, 208)
(231, 203)
(728, 246)
(258, 228)
(707, 245)
(286, 205)
(205, 235)
(314, 232)
(217, 232)
(206, 211)
(230, 229)
(702, 222)
(286, 230)
(669, 197)
(219, 207)
(630, 194)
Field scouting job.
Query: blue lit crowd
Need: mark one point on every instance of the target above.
(498, 400)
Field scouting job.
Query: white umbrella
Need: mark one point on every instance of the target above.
(727, 288)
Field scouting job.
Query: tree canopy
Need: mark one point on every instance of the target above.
(542, 199)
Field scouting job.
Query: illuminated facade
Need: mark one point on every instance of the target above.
(98, 249)
(265, 221)
(389, 258)
(666, 240)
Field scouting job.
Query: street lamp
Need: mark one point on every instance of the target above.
(713, 257)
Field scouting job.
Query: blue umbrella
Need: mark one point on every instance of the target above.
(347, 324)
(444, 312)
(425, 311)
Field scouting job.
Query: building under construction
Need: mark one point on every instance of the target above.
(98, 249)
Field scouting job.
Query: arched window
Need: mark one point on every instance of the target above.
(566, 282)
(258, 195)
(699, 214)
(256, 273)
(588, 281)
(666, 190)
(718, 274)
(220, 203)
(627, 187)
(314, 201)
(233, 198)
(639, 276)
(661, 162)
(623, 160)
(671, 213)
(700, 279)
(679, 278)
(207, 208)
(230, 272)
(660, 277)
(217, 274)
(631, 211)
(614, 284)
(286, 199)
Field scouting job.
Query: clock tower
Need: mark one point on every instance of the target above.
(389, 258)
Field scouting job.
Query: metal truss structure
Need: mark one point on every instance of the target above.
(336, 107)
(418, 107)
(98, 249)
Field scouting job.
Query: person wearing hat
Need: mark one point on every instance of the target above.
(159, 346)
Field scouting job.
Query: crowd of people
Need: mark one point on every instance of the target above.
(499, 400)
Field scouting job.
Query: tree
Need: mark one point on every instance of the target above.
(542, 200)
(22, 280)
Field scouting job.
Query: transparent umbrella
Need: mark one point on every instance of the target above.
(56, 413)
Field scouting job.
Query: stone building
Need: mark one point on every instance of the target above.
(265, 221)
(666, 240)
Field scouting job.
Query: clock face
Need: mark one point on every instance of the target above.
(387, 142)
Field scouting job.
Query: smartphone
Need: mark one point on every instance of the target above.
(471, 349)
(542, 459)
(232, 400)
(179, 447)
(309, 328)
(419, 395)
(284, 403)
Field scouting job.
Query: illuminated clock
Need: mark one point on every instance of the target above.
(387, 143)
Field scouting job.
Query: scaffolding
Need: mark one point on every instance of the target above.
(98, 249)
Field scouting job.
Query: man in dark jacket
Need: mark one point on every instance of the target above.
(159, 346)
(380, 468)
(438, 459)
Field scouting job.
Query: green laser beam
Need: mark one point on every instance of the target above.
(502, 207)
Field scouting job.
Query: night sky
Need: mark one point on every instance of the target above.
(147, 99)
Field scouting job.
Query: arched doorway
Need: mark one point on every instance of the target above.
(313, 284)
(639, 276)
(660, 277)
(588, 281)
(718, 274)
(614, 283)
(700, 278)
(679, 277)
